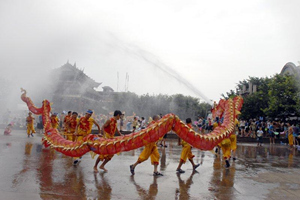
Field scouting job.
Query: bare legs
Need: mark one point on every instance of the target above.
(272, 140)
(163, 143)
(132, 167)
(179, 170)
(155, 172)
(234, 154)
(179, 167)
(102, 165)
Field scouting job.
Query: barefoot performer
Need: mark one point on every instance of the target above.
(108, 130)
(186, 152)
(150, 150)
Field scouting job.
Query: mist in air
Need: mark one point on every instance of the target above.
(32, 52)
(155, 62)
(196, 48)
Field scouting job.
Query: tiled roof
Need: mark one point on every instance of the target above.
(68, 68)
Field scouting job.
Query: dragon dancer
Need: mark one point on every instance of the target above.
(226, 147)
(233, 140)
(226, 150)
(54, 120)
(108, 129)
(30, 126)
(83, 128)
(71, 125)
(150, 150)
(67, 119)
(186, 152)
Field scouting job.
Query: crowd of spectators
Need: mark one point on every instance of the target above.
(276, 129)
(246, 128)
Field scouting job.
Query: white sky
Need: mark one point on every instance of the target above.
(211, 44)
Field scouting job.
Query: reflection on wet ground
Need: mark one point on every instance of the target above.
(29, 171)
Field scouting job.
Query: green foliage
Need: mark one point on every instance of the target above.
(276, 97)
(252, 106)
(228, 95)
(255, 103)
(283, 96)
(146, 105)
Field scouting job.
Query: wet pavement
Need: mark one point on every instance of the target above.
(30, 171)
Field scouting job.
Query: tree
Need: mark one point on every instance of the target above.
(146, 105)
(255, 103)
(229, 94)
(283, 96)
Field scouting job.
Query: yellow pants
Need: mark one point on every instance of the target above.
(54, 126)
(233, 141)
(150, 150)
(70, 136)
(290, 138)
(30, 129)
(226, 148)
(78, 138)
(186, 153)
(28, 148)
(106, 157)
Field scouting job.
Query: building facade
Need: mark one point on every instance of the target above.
(74, 90)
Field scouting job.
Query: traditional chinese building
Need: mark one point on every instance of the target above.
(74, 90)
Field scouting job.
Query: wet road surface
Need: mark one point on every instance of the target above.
(30, 171)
